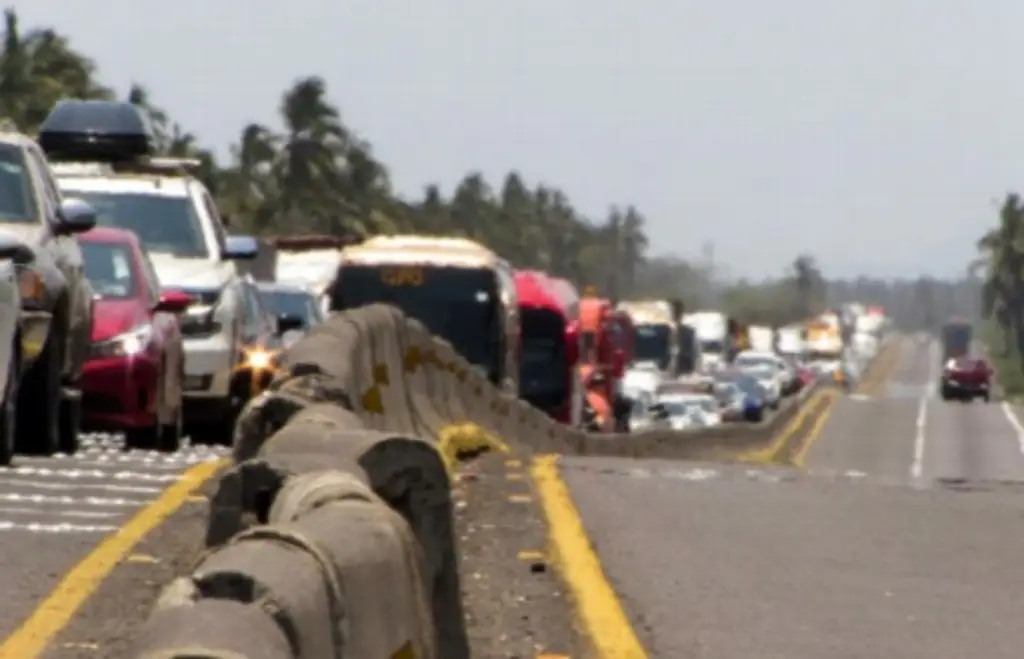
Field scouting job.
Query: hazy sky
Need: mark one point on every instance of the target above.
(872, 133)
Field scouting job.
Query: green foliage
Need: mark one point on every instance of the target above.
(1002, 263)
(317, 175)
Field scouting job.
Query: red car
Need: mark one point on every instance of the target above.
(132, 381)
(966, 378)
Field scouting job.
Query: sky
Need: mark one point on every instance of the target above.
(877, 135)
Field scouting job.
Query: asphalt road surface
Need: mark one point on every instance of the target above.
(902, 539)
(54, 511)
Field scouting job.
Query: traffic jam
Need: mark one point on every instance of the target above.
(141, 311)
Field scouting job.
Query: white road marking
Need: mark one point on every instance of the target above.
(37, 527)
(1015, 424)
(920, 424)
(76, 474)
(90, 514)
(74, 486)
(18, 497)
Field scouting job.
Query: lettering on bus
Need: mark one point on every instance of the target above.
(402, 276)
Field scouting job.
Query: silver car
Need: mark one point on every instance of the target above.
(13, 255)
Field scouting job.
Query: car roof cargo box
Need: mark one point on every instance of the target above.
(96, 131)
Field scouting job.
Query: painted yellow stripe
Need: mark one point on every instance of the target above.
(599, 609)
(35, 633)
(815, 431)
(770, 452)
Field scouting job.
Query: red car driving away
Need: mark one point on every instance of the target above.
(966, 378)
(133, 379)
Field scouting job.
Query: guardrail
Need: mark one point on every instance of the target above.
(331, 534)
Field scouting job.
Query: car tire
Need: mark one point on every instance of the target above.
(70, 422)
(9, 410)
(39, 403)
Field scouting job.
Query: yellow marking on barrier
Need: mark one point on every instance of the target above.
(372, 400)
(520, 498)
(768, 454)
(381, 375)
(530, 555)
(142, 558)
(513, 477)
(597, 604)
(815, 431)
(465, 438)
(57, 610)
(405, 652)
(513, 464)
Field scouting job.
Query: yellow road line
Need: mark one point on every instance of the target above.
(815, 431)
(884, 367)
(598, 607)
(767, 454)
(56, 611)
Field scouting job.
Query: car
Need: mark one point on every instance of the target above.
(732, 402)
(261, 343)
(966, 378)
(102, 152)
(754, 402)
(14, 254)
(785, 374)
(133, 380)
(768, 377)
(687, 410)
(56, 300)
(295, 307)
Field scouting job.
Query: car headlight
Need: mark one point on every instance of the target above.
(260, 358)
(128, 344)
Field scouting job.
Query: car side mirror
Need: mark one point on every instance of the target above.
(289, 323)
(74, 216)
(14, 250)
(173, 302)
(240, 248)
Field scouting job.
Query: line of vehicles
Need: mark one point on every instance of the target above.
(140, 311)
(966, 376)
(123, 307)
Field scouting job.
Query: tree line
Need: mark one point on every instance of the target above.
(318, 175)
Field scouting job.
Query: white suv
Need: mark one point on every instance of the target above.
(177, 221)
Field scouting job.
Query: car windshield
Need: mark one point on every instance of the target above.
(108, 267)
(751, 361)
(713, 347)
(293, 303)
(17, 197)
(164, 224)
(652, 344)
(761, 372)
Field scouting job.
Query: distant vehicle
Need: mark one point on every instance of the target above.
(56, 301)
(966, 378)
(732, 401)
(460, 290)
(102, 152)
(14, 254)
(296, 308)
(133, 379)
(957, 335)
(689, 410)
(755, 400)
(786, 374)
(550, 352)
(261, 342)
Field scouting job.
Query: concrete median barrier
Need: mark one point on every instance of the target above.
(332, 532)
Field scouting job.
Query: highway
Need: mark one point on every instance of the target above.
(54, 512)
(901, 538)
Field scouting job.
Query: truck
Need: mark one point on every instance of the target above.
(712, 329)
(603, 361)
(825, 342)
(661, 337)
(549, 347)
(762, 338)
(957, 335)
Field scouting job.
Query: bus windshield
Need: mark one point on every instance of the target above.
(653, 343)
(459, 305)
(543, 372)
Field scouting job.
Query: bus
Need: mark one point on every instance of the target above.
(550, 348)
(460, 290)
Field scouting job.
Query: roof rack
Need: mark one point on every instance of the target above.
(144, 165)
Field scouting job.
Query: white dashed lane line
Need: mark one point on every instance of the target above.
(93, 491)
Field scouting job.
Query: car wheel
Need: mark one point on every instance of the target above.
(70, 422)
(143, 438)
(39, 408)
(169, 435)
(9, 410)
